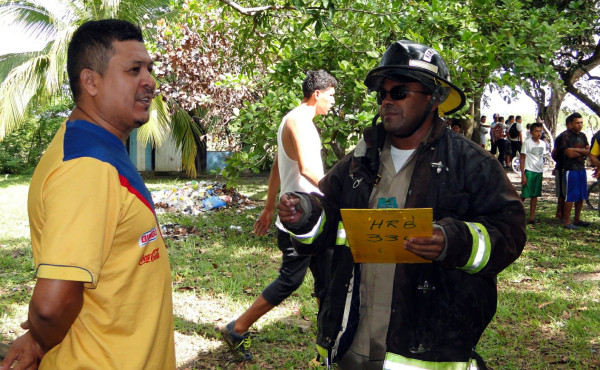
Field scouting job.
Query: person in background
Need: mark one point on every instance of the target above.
(528, 131)
(483, 131)
(532, 169)
(428, 315)
(494, 145)
(508, 154)
(297, 167)
(456, 127)
(595, 153)
(557, 157)
(102, 298)
(572, 145)
(516, 141)
(500, 134)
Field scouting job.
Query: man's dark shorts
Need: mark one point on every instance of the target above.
(515, 147)
(292, 271)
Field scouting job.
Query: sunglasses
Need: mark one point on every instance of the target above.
(398, 92)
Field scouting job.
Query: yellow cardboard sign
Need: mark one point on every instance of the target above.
(377, 235)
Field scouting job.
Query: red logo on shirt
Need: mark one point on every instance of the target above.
(147, 237)
(151, 257)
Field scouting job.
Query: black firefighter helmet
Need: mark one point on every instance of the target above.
(419, 62)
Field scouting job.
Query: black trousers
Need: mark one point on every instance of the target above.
(292, 271)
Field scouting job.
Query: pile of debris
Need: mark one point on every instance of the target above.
(196, 197)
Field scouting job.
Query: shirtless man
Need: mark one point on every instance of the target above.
(297, 167)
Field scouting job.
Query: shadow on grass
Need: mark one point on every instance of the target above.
(541, 324)
(286, 343)
(7, 180)
(19, 245)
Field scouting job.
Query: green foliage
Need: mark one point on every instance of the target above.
(30, 79)
(347, 38)
(21, 150)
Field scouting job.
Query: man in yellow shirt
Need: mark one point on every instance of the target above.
(595, 153)
(102, 299)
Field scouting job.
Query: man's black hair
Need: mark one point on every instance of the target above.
(572, 117)
(91, 47)
(317, 80)
(534, 126)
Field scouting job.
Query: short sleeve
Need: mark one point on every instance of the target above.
(525, 147)
(595, 148)
(81, 211)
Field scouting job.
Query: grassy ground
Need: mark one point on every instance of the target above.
(548, 307)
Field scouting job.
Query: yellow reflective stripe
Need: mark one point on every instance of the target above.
(310, 237)
(397, 362)
(482, 247)
(341, 238)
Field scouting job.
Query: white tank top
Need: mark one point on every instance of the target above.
(289, 172)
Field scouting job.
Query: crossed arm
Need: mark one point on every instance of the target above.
(577, 152)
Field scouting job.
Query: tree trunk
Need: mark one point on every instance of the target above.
(471, 129)
(200, 159)
(550, 112)
(337, 149)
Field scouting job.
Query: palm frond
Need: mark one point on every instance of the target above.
(141, 11)
(158, 127)
(57, 55)
(21, 87)
(110, 8)
(184, 130)
(28, 78)
(34, 20)
(9, 61)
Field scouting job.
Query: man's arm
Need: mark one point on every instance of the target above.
(596, 163)
(54, 306)
(266, 216)
(297, 151)
(521, 134)
(594, 153)
(523, 177)
(576, 152)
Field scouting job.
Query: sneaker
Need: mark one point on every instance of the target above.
(533, 222)
(570, 227)
(237, 343)
(582, 223)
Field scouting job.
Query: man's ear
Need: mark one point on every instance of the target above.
(435, 106)
(88, 80)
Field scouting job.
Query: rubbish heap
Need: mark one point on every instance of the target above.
(196, 197)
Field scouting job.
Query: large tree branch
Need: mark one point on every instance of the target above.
(584, 98)
(594, 59)
(582, 68)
